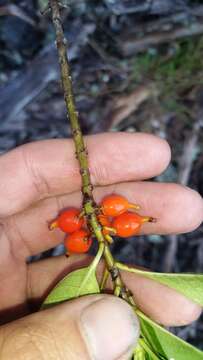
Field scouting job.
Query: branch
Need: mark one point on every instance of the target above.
(163, 30)
(185, 164)
(89, 204)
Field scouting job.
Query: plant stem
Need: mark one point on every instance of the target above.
(81, 152)
(89, 204)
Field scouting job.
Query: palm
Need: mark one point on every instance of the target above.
(47, 179)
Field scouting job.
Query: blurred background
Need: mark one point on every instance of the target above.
(137, 66)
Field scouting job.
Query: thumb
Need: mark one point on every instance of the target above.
(93, 327)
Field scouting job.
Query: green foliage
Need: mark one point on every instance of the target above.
(77, 283)
(144, 65)
(158, 343)
(139, 353)
(72, 286)
(190, 285)
(173, 73)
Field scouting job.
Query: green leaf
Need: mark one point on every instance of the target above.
(147, 351)
(77, 283)
(70, 286)
(190, 285)
(91, 269)
(139, 353)
(144, 352)
(163, 345)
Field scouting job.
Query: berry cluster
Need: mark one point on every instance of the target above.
(71, 222)
(121, 221)
(113, 215)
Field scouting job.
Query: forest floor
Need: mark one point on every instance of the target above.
(134, 69)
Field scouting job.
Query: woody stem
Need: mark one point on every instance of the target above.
(81, 152)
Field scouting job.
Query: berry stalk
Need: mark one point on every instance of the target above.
(89, 205)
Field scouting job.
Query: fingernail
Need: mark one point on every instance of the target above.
(110, 328)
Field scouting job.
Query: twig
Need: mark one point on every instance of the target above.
(160, 31)
(124, 106)
(187, 158)
(15, 10)
(89, 205)
(185, 166)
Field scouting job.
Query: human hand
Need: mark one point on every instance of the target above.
(39, 179)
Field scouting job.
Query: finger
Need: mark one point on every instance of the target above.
(75, 330)
(47, 168)
(159, 302)
(177, 209)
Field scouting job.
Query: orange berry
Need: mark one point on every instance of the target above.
(114, 205)
(78, 242)
(104, 221)
(127, 224)
(68, 221)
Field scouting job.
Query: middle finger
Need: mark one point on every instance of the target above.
(177, 209)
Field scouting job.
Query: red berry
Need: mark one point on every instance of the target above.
(68, 221)
(127, 224)
(78, 242)
(104, 221)
(114, 205)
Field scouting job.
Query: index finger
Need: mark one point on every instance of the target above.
(47, 168)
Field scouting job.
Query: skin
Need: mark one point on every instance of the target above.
(40, 179)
